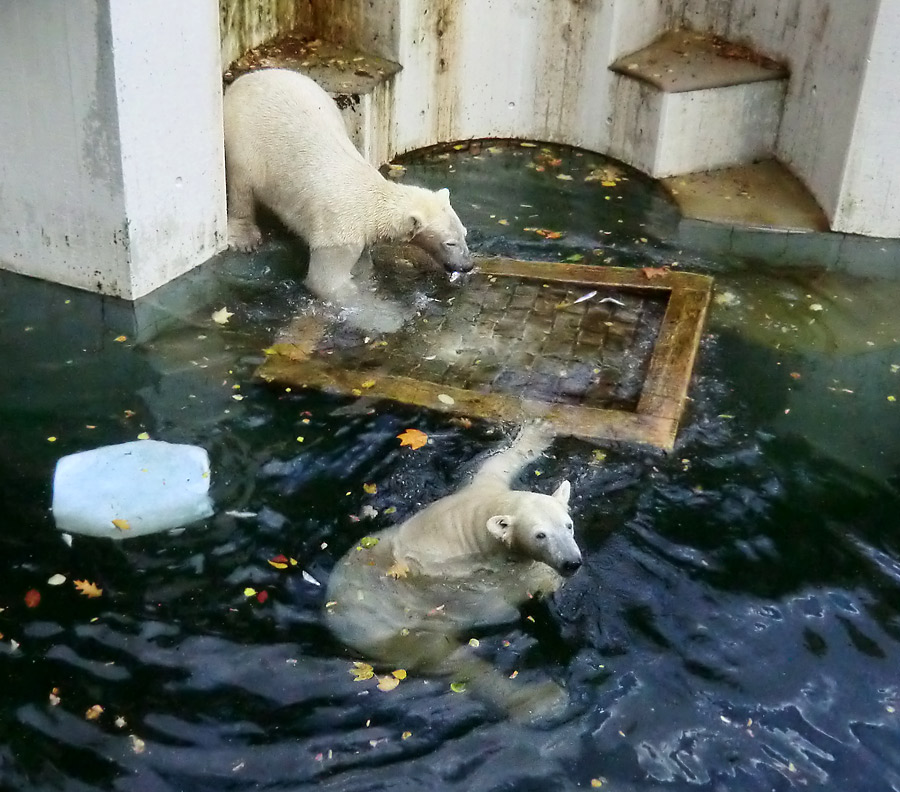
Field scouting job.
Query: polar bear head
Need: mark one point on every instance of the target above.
(539, 527)
(436, 229)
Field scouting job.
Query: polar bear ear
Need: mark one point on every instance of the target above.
(445, 194)
(415, 225)
(500, 527)
(562, 493)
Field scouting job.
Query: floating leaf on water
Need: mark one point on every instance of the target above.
(596, 783)
(370, 489)
(137, 744)
(279, 562)
(368, 542)
(368, 384)
(443, 398)
(250, 592)
(474, 642)
(816, 307)
(143, 436)
(362, 671)
(88, 588)
(222, 316)
(575, 257)
(458, 687)
(390, 510)
(414, 438)
(387, 683)
(93, 712)
(406, 735)
(56, 580)
(121, 524)
(32, 598)
(262, 596)
(310, 579)
(120, 722)
(598, 455)
(120, 339)
(400, 673)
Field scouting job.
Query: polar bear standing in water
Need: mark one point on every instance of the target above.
(286, 147)
(466, 562)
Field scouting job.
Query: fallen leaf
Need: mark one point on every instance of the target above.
(222, 316)
(458, 687)
(143, 436)
(362, 671)
(370, 489)
(88, 588)
(368, 384)
(795, 375)
(120, 722)
(596, 783)
(250, 592)
(262, 596)
(397, 570)
(137, 744)
(368, 542)
(443, 398)
(279, 562)
(413, 438)
(474, 642)
(387, 683)
(54, 697)
(32, 598)
(654, 272)
(121, 339)
(93, 712)
(400, 673)
(575, 257)
(406, 735)
(546, 233)
(564, 177)
(56, 580)
(122, 525)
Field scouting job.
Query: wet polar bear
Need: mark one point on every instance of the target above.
(466, 562)
(286, 147)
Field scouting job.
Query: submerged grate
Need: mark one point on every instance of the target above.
(601, 352)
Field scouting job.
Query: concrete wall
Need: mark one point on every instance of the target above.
(826, 44)
(246, 24)
(111, 161)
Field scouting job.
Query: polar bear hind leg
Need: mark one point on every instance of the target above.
(243, 232)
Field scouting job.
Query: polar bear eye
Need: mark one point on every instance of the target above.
(540, 535)
(450, 243)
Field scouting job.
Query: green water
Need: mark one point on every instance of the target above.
(735, 625)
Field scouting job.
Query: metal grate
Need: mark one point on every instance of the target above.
(601, 352)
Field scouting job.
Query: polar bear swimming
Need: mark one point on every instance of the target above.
(287, 148)
(407, 595)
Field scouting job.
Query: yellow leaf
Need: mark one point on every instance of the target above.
(400, 673)
(368, 384)
(474, 642)
(370, 489)
(87, 588)
(121, 339)
(362, 672)
(596, 783)
(122, 525)
(94, 712)
(458, 687)
(414, 438)
(143, 436)
(406, 735)
(222, 316)
(387, 683)
(397, 570)
(249, 592)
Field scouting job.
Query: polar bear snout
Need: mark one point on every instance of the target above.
(570, 567)
(457, 257)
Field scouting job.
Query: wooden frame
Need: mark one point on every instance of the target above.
(659, 409)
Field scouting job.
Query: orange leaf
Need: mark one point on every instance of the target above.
(654, 272)
(122, 525)
(87, 588)
(413, 438)
(279, 562)
(32, 598)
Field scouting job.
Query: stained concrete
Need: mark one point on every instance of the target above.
(682, 60)
(762, 195)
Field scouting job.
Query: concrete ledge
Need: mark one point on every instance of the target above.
(682, 60)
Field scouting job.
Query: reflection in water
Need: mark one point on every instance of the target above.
(735, 626)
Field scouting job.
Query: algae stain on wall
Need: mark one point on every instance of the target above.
(248, 23)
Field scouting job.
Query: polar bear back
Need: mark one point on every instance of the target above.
(279, 125)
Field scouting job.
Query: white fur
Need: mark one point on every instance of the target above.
(286, 147)
(467, 561)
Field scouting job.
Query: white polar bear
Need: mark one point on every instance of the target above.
(286, 147)
(466, 562)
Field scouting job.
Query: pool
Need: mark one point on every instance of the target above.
(735, 625)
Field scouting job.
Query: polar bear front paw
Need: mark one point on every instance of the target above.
(243, 235)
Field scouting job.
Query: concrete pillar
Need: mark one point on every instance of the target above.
(870, 190)
(111, 158)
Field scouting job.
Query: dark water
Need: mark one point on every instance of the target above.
(735, 626)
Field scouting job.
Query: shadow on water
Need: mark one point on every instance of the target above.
(735, 626)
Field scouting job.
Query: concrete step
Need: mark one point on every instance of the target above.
(359, 82)
(693, 102)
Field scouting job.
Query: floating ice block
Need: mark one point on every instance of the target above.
(131, 489)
